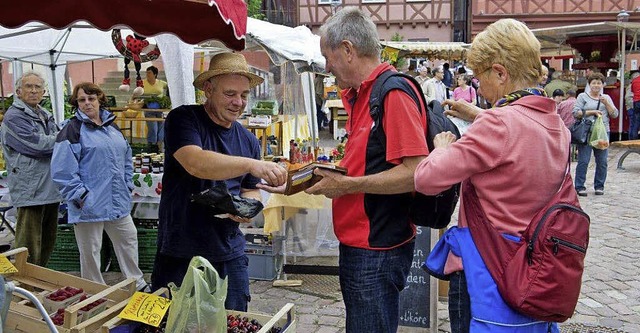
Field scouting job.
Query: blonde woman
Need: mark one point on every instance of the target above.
(513, 177)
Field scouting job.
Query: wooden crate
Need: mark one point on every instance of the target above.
(24, 317)
(285, 318)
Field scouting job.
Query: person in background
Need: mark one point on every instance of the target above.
(92, 167)
(557, 83)
(635, 97)
(154, 87)
(496, 150)
(433, 88)
(28, 134)
(447, 79)
(464, 90)
(423, 75)
(565, 108)
(323, 120)
(370, 203)
(558, 96)
(590, 70)
(205, 146)
(544, 76)
(594, 103)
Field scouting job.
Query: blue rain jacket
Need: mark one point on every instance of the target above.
(489, 312)
(93, 169)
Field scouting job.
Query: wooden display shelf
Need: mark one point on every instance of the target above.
(24, 317)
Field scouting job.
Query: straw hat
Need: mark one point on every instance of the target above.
(227, 63)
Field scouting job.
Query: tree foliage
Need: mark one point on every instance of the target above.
(254, 8)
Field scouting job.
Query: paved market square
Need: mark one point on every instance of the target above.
(610, 295)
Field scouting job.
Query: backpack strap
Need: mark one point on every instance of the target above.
(384, 83)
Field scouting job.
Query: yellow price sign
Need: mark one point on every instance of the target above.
(6, 267)
(146, 308)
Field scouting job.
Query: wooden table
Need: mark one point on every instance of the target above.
(337, 114)
(131, 120)
(262, 130)
(118, 109)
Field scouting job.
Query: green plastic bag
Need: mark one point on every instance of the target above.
(198, 304)
(599, 138)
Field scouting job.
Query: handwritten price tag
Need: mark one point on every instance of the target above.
(146, 308)
(6, 267)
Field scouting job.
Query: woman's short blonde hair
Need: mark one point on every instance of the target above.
(510, 43)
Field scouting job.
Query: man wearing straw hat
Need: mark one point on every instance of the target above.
(205, 145)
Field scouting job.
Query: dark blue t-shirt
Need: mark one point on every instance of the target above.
(187, 229)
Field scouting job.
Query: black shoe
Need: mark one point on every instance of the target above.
(582, 193)
(599, 192)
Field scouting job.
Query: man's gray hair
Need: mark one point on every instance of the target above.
(18, 84)
(353, 25)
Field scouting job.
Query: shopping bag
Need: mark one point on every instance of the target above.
(599, 138)
(580, 130)
(198, 304)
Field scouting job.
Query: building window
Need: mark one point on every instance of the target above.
(374, 1)
(328, 2)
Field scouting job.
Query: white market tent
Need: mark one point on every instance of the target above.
(297, 46)
(37, 43)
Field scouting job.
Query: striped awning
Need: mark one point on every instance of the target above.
(451, 51)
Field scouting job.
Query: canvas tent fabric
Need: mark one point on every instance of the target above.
(38, 44)
(297, 45)
(224, 20)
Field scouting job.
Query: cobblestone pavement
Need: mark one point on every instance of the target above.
(610, 296)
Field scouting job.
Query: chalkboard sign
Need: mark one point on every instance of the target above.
(415, 299)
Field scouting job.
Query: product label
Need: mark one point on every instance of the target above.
(6, 267)
(146, 308)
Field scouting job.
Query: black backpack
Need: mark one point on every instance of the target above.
(426, 210)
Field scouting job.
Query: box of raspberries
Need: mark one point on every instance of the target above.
(61, 298)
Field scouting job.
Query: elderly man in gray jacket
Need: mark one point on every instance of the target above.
(28, 133)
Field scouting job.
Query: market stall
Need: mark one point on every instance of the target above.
(603, 45)
(450, 51)
(226, 23)
(79, 34)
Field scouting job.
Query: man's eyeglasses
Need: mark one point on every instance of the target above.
(35, 87)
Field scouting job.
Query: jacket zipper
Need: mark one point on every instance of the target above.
(557, 242)
(530, 247)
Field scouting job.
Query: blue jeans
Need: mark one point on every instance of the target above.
(371, 282)
(155, 129)
(459, 303)
(173, 269)
(584, 155)
(634, 121)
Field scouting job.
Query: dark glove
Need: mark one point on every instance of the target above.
(221, 201)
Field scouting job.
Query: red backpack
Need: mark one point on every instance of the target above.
(540, 275)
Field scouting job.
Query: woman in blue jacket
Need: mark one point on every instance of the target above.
(92, 167)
